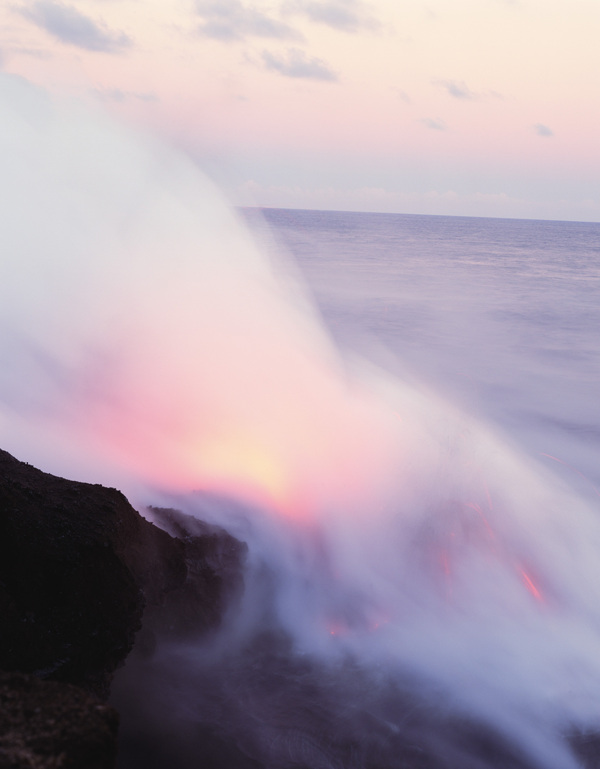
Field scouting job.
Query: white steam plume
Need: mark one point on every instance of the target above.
(145, 342)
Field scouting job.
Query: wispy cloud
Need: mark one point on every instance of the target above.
(67, 24)
(402, 95)
(35, 53)
(458, 90)
(543, 130)
(436, 124)
(343, 15)
(231, 20)
(297, 64)
(117, 95)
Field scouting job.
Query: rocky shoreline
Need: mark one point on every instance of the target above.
(85, 580)
(81, 572)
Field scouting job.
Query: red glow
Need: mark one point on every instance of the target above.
(479, 511)
(488, 495)
(574, 469)
(338, 628)
(445, 561)
(530, 585)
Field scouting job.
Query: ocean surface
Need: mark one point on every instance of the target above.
(499, 316)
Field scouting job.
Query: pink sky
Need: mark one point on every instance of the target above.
(475, 107)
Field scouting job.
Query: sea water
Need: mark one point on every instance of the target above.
(500, 315)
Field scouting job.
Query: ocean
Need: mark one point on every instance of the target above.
(500, 316)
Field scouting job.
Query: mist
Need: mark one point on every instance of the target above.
(397, 545)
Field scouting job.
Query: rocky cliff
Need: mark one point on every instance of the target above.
(79, 568)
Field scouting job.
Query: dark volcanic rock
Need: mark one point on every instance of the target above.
(51, 725)
(263, 706)
(77, 566)
(213, 560)
(587, 747)
(79, 570)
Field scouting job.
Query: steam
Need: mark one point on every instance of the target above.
(146, 342)
(140, 319)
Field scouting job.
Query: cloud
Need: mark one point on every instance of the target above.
(343, 15)
(35, 53)
(435, 124)
(117, 95)
(460, 90)
(298, 65)
(402, 95)
(231, 20)
(457, 90)
(69, 25)
(543, 130)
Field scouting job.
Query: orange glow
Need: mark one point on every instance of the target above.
(236, 462)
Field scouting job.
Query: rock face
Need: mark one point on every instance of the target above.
(81, 572)
(213, 560)
(47, 725)
(79, 567)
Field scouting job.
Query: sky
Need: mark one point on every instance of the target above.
(456, 107)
